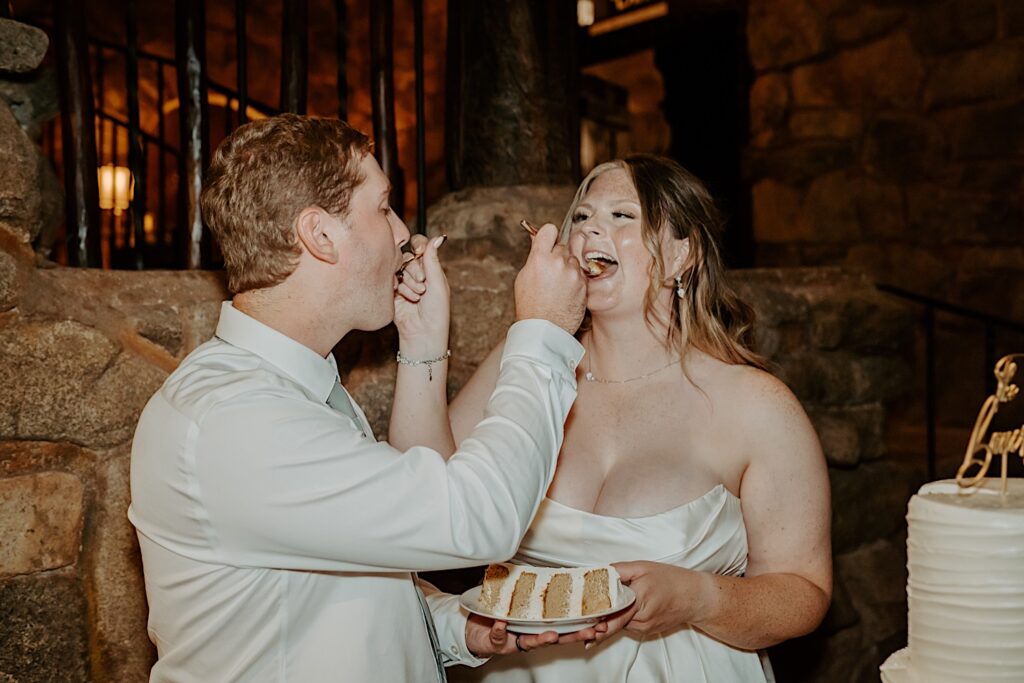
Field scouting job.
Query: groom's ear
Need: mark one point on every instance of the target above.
(312, 227)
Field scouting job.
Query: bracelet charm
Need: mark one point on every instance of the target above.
(402, 360)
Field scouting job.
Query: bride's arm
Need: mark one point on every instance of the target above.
(467, 408)
(786, 509)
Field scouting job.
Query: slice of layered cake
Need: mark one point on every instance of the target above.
(523, 592)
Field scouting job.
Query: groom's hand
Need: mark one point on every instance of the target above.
(486, 638)
(551, 285)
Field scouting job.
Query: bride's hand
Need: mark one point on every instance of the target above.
(422, 302)
(667, 597)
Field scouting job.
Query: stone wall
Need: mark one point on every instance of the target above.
(887, 135)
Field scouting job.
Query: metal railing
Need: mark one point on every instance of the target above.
(160, 225)
(992, 325)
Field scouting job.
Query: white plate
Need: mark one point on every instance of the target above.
(470, 600)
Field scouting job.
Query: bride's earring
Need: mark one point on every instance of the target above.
(680, 290)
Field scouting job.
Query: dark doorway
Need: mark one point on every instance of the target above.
(701, 55)
(707, 84)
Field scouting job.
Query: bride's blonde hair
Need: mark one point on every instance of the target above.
(710, 316)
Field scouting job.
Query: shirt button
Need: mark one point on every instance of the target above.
(455, 650)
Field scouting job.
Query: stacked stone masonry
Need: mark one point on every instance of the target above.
(887, 135)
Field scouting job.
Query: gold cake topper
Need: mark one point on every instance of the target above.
(1003, 444)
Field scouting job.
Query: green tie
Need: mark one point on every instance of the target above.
(340, 401)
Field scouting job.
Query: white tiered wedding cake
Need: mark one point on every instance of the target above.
(965, 557)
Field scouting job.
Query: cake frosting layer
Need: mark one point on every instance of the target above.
(965, 591)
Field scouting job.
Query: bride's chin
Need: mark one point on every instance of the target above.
(599, 303)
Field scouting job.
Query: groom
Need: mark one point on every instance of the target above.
(278, 537)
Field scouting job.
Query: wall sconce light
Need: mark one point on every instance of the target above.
(117, 187)
(585, 12)
(149, 228)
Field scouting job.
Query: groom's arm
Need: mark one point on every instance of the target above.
(299, 488)
(467, 408)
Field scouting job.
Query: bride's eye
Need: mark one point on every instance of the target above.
(623, 214)
(579, 216)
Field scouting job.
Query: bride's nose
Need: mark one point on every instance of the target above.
(592, 228)
(588, 227)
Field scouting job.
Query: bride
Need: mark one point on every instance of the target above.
(685, 462)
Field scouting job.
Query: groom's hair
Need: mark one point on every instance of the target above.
(262, 176)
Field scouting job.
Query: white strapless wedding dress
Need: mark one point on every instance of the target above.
(706, 534)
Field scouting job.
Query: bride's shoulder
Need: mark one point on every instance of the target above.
(758, 398)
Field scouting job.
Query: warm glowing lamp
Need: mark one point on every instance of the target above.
(117, 187)
(585, 12)
(149, 228)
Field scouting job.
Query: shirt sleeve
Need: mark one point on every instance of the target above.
(287, 483)
(450, 623)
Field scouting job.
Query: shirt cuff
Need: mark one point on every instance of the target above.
(450, 623)
(542, 339)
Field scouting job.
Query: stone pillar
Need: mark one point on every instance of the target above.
(511, 102)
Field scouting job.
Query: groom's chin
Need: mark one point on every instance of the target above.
(378, 322)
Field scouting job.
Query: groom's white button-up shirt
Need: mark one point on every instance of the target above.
(278, 541)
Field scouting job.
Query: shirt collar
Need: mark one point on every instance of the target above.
(315, 373)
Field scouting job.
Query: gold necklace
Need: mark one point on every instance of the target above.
(589, 376)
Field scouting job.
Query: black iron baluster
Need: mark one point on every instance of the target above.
(341, 49)
(227, 115)
(146, 235)
(455, 67)
(161, 157)
(382, 93)
(6, 11)
(294, 39)
(101, 69)
(929, 386)
(78, 132)
(193, 114)
(51, 142)
(115, 162)
(241, 48)
(421, 123)
(136, 155)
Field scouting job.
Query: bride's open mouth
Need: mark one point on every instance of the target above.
(597, 264)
